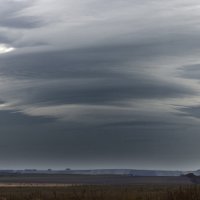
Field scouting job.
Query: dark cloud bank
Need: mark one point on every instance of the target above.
(116, 103)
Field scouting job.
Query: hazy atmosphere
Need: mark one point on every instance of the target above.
(91, 84)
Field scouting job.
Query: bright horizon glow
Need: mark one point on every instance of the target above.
(5, 49)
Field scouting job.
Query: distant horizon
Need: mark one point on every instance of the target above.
(77, 169)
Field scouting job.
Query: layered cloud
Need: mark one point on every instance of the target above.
(94, 74)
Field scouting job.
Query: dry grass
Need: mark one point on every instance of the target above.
(101, 193)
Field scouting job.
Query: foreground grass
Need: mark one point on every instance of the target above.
(101, 193)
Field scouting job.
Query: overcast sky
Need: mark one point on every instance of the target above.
(100, 84)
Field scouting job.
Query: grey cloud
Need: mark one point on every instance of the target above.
(10, 15)
(4, 38)
(21, 22)
(107, 74)
(2, 102)
(156, 124)
(85, 77)
(19, 119)
(111, 90)
(64, 144)
(189, 71)
(191, 111)
(31, 44)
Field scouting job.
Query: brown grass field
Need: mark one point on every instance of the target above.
(106, 187)
(106, 192)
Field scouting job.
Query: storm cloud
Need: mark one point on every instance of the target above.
(11, 15)
(88, 81)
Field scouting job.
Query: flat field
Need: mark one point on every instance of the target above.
(101, 187)
(100, 192)
(67, 179)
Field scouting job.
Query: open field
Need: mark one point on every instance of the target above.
(64, 179)
(108, 192)
(96, 187)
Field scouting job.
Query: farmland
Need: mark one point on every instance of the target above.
(96, 187)
(102, 192)
(71, 179)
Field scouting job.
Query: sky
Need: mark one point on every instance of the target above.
(89, 84)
